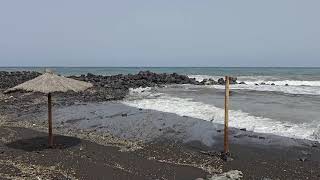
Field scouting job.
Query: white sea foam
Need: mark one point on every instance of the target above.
(202, 77)
(294, 86)
(240, 78)
(238, 119)
(308, 90)
(138, 93)
(289, 82)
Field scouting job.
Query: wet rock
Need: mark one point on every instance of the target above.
(233, 80)
(221, 81)
(272, 84)
(243, 129)
(124, 114)
(242, 82)
(286, 84)
(263, 83)
(209, 82)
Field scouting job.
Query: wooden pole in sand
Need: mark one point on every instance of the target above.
(226, 117)
(50, 140)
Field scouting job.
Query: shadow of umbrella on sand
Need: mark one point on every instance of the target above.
(49, 83)
(39, 143)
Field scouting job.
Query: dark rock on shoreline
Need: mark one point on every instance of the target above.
(114, 87)
(232, 80)
(221, 81)
(11, 79)
(142, 79)
(208, 82)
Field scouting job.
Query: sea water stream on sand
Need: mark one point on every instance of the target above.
(283, 114)
(146, 125)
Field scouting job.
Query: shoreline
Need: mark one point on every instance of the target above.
(165, 145)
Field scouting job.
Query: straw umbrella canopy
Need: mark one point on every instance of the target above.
(48, 83)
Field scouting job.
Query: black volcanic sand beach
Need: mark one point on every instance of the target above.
(80, 154)
(24, 153)
(262, 161)
(275, 163)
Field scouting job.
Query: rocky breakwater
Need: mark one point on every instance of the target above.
(221, 81)
(116, 87)
(11, 79)
(105, 88)
(113, 87)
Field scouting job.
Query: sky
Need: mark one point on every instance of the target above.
(160, 33)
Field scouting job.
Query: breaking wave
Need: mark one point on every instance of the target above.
(279, 84)
(238, 119)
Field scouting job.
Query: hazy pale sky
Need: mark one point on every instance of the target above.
(160, 33)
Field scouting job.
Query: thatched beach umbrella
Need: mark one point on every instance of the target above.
(48, 83)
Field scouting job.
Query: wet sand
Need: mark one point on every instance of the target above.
(25, 155)
(86, 151)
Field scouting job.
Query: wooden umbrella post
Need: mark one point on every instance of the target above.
(50, 140)
(226, 117)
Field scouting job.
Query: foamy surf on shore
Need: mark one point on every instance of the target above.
(298, 90)
(270, 83)
(208, 112)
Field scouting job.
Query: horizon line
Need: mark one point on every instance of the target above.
(159, 66)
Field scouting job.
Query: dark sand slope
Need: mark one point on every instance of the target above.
(24, 155)
(275, 163)
(258, 156)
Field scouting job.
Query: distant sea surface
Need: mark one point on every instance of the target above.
(295, 73)
(287, 105)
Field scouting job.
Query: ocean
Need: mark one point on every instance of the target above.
(290, 107)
